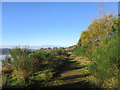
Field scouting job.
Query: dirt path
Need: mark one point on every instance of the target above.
(74, 74)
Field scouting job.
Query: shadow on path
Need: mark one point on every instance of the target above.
(68, 65)
(81, 84)
(74, 77)
(72, 81)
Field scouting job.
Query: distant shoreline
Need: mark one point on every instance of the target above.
(6, 51)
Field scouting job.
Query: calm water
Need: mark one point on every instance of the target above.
(1, 57)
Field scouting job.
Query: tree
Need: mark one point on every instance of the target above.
(98, 29)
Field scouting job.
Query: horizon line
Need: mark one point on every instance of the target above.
(26, 46)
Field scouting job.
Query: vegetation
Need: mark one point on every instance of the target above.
(100, 43)
(92, 63)
(26, 68)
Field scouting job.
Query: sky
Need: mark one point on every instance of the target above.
(48, 23)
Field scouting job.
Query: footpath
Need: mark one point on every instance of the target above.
(73, 74)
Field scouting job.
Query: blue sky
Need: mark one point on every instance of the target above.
(49, 23)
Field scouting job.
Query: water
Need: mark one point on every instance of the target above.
(1, 58)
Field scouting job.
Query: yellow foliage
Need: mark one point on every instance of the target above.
(98, 29)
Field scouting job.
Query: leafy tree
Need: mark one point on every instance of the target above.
(98, 29)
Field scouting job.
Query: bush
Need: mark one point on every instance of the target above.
(58, 58)
(39, 58)
(106, 60)
(82, 50)
(16, 79)
(24, 67)
(21, 59)
(101, 43)
(79, 50)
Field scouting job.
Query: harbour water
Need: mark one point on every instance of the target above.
(2, 57)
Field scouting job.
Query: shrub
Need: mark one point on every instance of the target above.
(39, 58)
(21, 58)
(106, 59)
(80, 51)
(16, 79)
(25, 67)
(101, 43)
